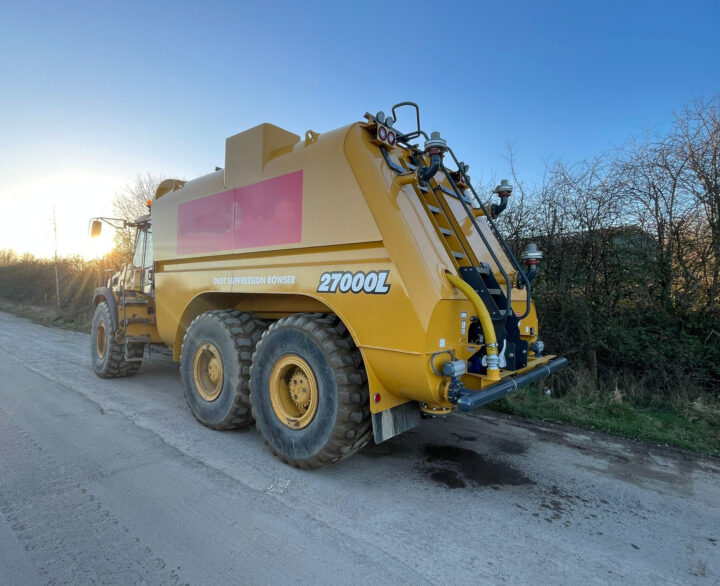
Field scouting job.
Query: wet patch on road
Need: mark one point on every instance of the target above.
(449, 478)
(495, 444)
(455, 467)
(465, 438)
(386, 449)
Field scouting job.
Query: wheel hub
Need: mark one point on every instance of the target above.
(293, 391)
(298, 388)
(208, 371)
(214, 370)
(100, 340)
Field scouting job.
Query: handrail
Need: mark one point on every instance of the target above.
(493, 227)
(405, 138)
(508, 283)
(415, 133)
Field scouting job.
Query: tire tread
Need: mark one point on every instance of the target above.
(117, 366)
(353, 428)
(245, 330)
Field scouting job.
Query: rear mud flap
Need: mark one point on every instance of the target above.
(395, 421)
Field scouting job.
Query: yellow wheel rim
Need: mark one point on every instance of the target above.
(208, 371)
(100, 340)
(293, 391)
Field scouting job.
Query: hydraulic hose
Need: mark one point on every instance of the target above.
(493, 362)
(497, 209)
(428, 173)
(531, 272)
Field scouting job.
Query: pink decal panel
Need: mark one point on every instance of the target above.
(206, 224)
(269, 212)
(264, 214)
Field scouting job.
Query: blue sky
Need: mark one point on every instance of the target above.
(92, 93)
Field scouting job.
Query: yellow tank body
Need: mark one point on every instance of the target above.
(324, 224)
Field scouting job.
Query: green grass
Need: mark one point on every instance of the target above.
(50, 316)
(694, 426)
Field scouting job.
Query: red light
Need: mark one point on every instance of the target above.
(382, 132)
(391, 138)
(377, 397)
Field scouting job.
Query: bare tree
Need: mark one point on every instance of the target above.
(55, 255)
(130, 203)
(698, 128)
(516, 222)
(652, 174)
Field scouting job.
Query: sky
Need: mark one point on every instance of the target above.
(93, 93)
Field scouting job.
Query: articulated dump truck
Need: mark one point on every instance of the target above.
(330, 288)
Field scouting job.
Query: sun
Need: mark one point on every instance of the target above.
(53, 212)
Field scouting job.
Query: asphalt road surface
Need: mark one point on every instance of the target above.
(114, 482)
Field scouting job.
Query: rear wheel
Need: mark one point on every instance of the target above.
(309, 391)
(108, 356)
(215, 366)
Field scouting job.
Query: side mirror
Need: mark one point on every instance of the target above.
(95, 228)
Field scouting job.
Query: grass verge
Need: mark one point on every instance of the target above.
(690, 425)
(694, 426)
(49, 316)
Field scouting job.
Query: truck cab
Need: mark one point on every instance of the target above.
(138, 276)
(124, 323)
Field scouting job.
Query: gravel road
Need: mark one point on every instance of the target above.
(114, 482)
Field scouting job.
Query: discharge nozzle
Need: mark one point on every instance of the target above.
(435, 143)
(435, 148)
(532, 256)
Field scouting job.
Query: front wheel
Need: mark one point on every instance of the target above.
(108, 357)
(309, 391)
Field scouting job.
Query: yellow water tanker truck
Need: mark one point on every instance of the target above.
(330, 288)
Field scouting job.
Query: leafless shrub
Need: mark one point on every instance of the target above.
(630, 283)
(129, 204)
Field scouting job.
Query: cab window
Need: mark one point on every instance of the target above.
(148, 250)
(139, 249)
(147, 273)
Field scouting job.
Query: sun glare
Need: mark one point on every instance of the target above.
(100, 245)
(72, 198)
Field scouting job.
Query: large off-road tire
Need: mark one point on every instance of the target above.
(215, 367)
(309, 391)
(108, 357)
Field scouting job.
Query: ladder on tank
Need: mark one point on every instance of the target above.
(487, 283)
(478, 274)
